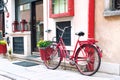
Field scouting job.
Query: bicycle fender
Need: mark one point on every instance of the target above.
(99, 49)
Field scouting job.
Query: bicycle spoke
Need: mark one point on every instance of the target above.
(54, 58)
(89, 62)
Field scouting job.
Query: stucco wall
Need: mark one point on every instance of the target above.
(8, 29)
(107, 30)
(79, 21)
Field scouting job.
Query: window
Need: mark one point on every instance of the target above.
(67, 33)
(23, 12)
(1, 21)
(24, 7)
(18, 45)
(61, 8)
(117, 4)
(112, 7)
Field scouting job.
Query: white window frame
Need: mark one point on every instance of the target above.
(109, 9)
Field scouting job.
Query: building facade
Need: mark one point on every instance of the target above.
(97, 19)
(38, 16)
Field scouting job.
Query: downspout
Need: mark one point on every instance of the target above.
(47, 17)
(91, 18)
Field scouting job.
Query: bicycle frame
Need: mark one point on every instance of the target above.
(64, 52)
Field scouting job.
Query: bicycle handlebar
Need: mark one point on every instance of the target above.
(64, 28)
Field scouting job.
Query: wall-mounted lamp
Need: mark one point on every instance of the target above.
(48, 31)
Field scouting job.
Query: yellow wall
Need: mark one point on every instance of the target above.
(107, 32)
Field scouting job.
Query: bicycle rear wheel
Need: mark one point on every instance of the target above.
(87, 59)
(54, 59)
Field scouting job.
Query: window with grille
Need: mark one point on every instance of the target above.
(116, 4)
(67, 33)
(18, 45)
(112, 7)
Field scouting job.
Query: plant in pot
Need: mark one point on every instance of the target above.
(44, 48)
(3, 47)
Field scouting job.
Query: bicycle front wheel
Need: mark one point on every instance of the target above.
(54, 59)
(87, 59)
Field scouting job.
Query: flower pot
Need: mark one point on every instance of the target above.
(45, 53)
(3, 49)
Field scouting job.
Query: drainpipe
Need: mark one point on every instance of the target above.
(91, 18)
(46, 22)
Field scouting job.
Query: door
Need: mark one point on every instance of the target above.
(2, 27)
(37, 27)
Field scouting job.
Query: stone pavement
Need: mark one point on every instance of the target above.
(10, 71)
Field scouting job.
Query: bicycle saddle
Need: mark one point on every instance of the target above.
(80, 34)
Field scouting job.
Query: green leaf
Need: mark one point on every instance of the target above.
(43, 43)
(3, 42)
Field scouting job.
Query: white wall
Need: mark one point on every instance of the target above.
(8, 21)
(8, 29)
(79, 21)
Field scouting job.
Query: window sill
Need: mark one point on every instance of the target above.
(111, 13)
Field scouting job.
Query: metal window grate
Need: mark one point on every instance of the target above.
(18, 45)
(116, 4)
(67, 34)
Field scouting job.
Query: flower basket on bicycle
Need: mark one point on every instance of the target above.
(44, 49)
(45, 53)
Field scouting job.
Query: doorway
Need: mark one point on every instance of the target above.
(2, 27)
(37, 26)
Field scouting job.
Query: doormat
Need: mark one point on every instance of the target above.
(26, 64)
(35, 56)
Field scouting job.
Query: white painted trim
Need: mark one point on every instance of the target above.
(27, 42)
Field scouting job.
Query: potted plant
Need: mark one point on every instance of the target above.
(3, 47)
(44, 48)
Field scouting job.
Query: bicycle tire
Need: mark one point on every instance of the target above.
(90, 65)
(54, 60)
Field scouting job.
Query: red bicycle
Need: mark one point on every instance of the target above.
(86, 55)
